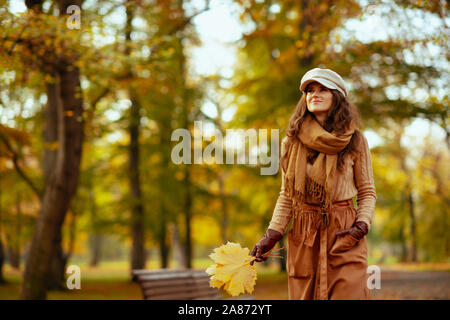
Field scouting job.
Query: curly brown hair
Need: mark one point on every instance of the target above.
(339, 117)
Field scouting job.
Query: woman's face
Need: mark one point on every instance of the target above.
(318, 99)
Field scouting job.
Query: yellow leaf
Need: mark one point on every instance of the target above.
(232, 269)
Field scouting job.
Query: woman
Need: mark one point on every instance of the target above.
(325, 163)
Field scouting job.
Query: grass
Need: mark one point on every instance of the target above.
(111, 280)
(108, 281)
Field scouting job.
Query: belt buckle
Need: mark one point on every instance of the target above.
(325, 219)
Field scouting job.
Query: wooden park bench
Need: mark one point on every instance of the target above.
(178, 284)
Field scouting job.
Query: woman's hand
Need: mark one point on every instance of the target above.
(266, 244)
(357, 231)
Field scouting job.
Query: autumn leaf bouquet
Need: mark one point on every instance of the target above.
(232, 269)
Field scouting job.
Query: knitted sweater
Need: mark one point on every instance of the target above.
(355, 180)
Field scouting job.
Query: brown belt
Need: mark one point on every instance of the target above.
(341, 203)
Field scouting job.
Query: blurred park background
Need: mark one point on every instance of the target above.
(90, 95)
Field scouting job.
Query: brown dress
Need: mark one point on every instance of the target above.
(319, 264)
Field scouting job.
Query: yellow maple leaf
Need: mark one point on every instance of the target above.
(232, 269)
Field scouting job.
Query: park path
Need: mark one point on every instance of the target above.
(413, 285)
(395, 285)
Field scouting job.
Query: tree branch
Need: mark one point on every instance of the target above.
(19, 170)
(180, 26)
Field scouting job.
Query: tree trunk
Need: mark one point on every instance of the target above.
(56, 274)
(441, 191)
(18, 232)
(163, 247)
(96, 249)
(60, 187)
(2, 261)
(177, 245)
(50, 130)
(408, 200)
(13, 258)
(223, 200)
(137, 210)
(14, 244)
(306, 59)
(56, 277)
(13, 236)
(165, 133)
(162, 234)
(95, 239)
(187, 218)
(412, 216)
(403, 246)
(187, 171)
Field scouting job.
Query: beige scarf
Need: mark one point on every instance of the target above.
(322, 178)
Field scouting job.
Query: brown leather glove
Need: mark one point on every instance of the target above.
(266, 244)
(357, 231)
